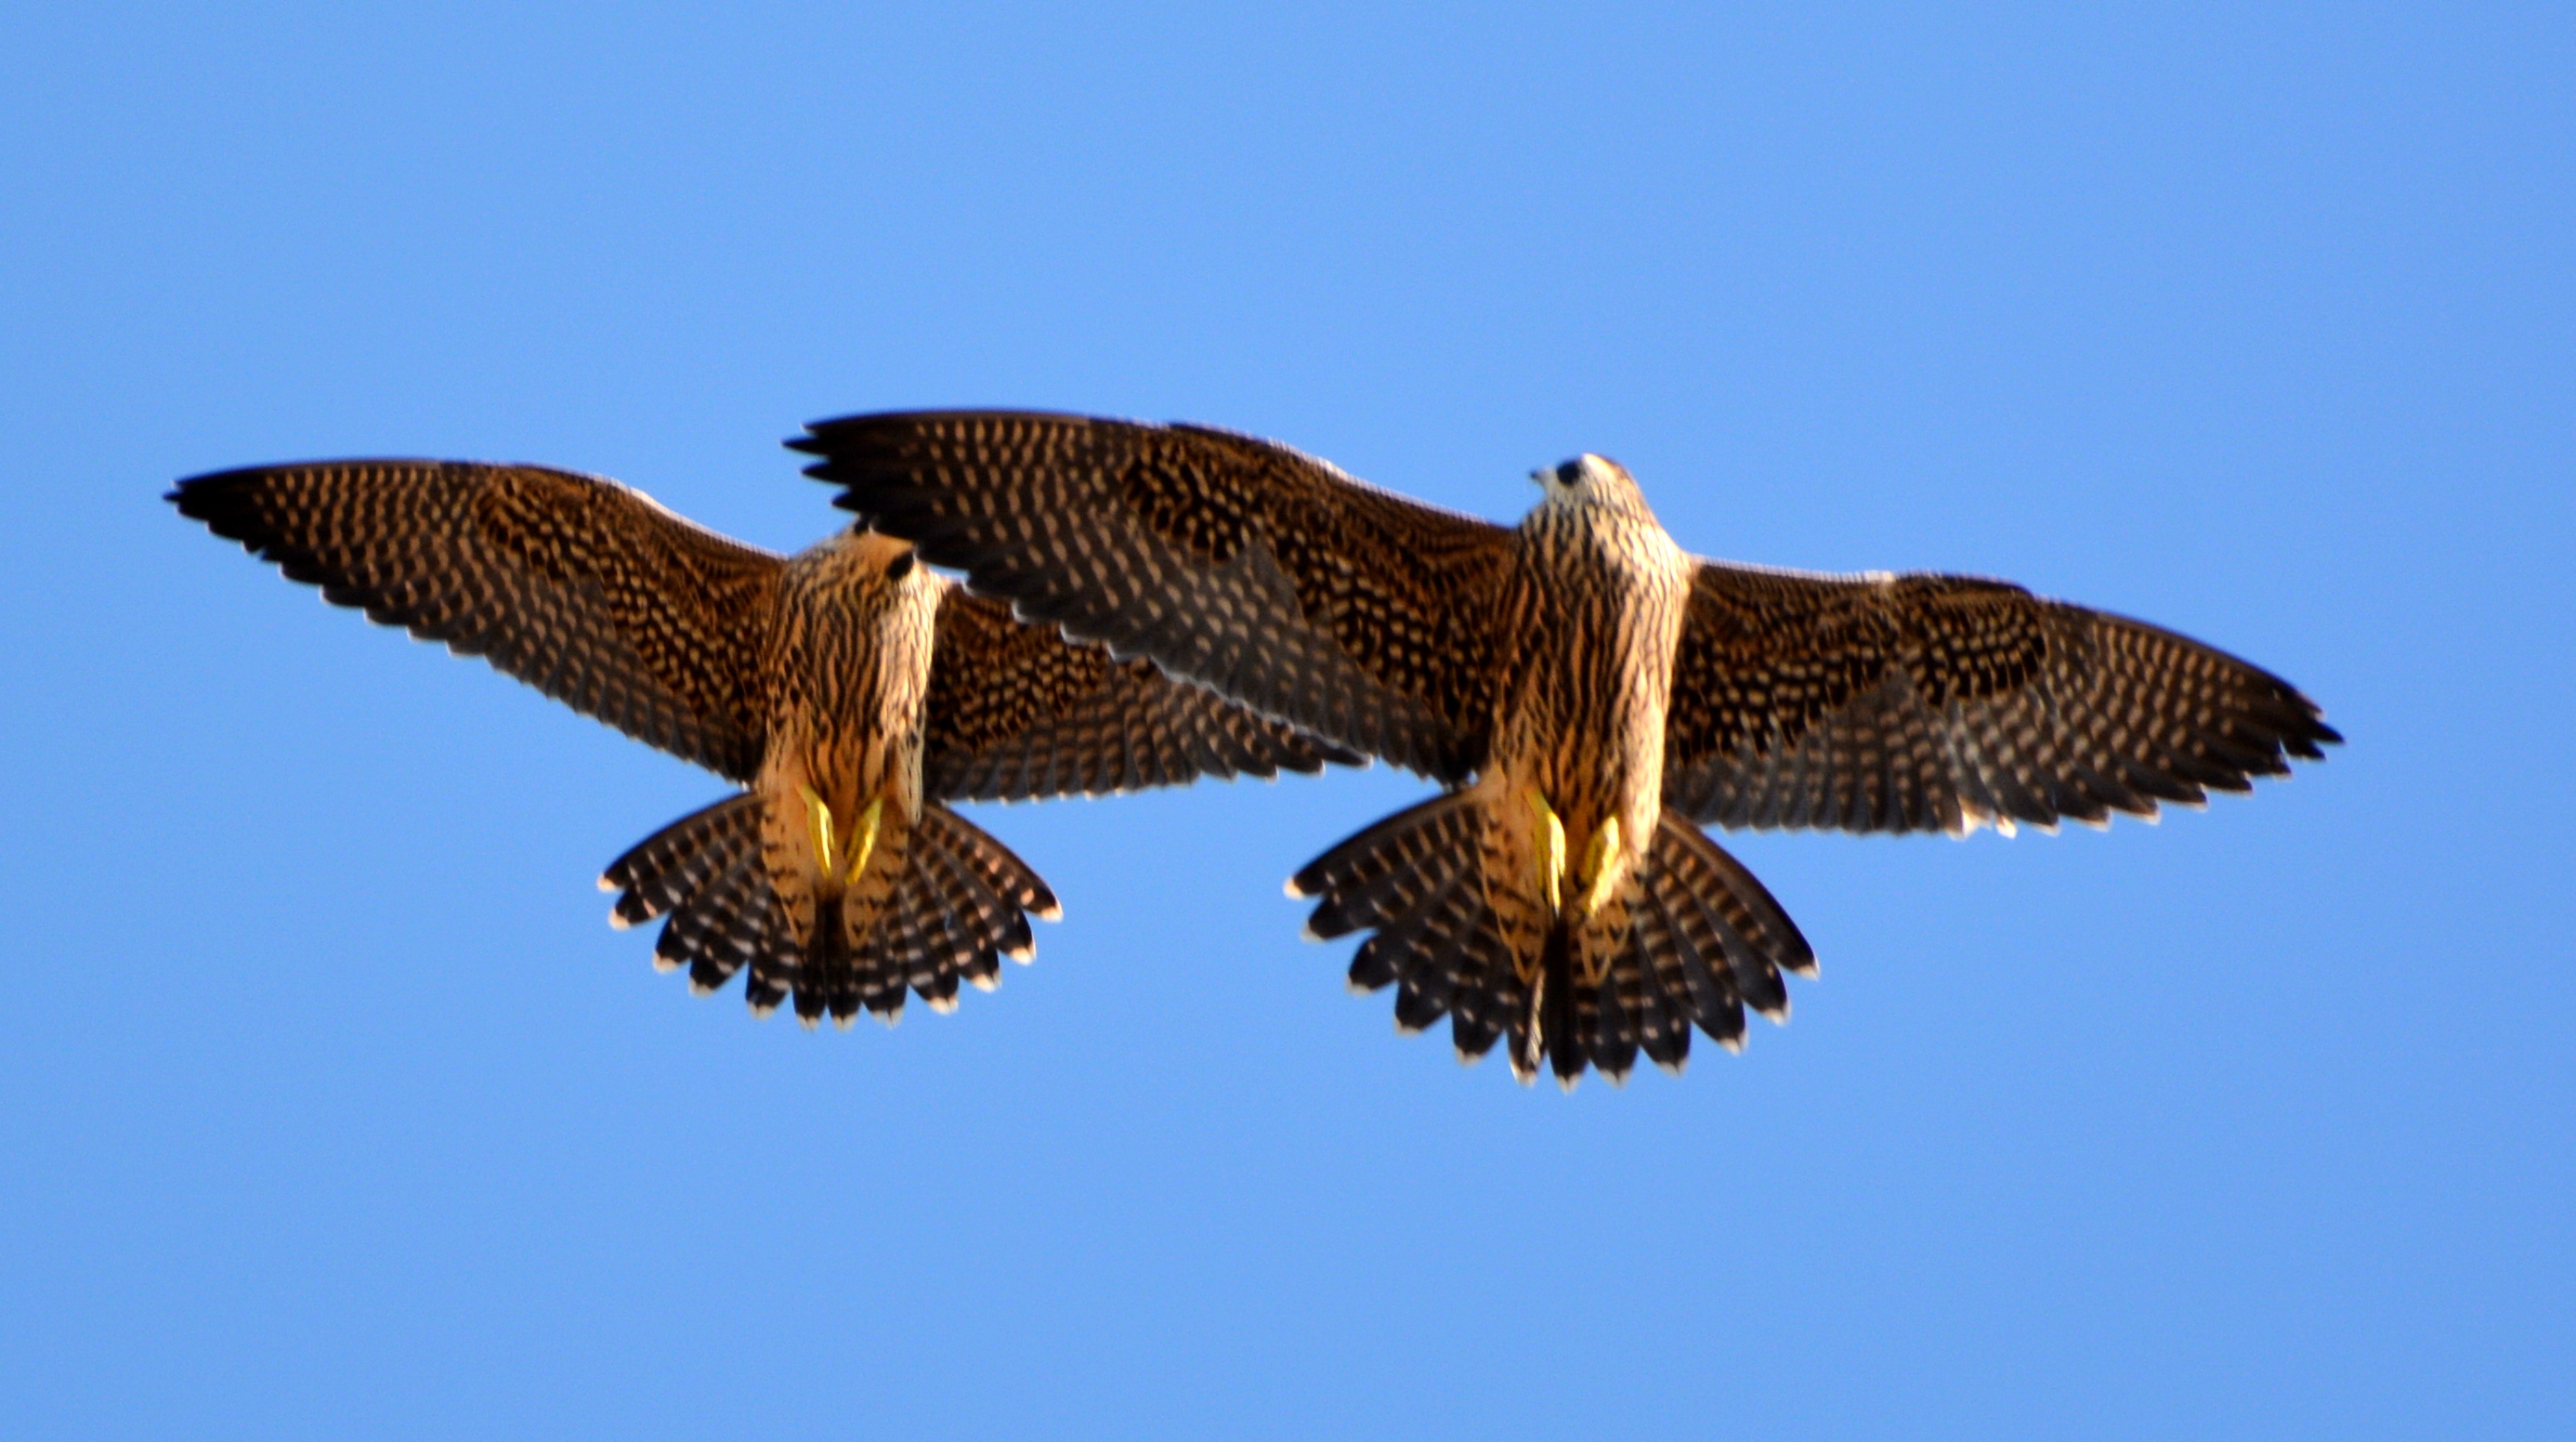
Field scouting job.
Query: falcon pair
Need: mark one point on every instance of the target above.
(1586, 695)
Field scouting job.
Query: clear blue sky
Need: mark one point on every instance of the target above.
(330, 1107)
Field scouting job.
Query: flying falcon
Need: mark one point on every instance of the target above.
(850, 690)
(1588, 694)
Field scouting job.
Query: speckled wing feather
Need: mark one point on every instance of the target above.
(1017, 712)
(1923, 702)
(585, 589)
(1356, 615)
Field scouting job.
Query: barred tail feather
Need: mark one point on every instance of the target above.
(1005, 875)
(675, 863)
(961, 905)
(1705, 939)
(964, 903)
(1755, 938)
(1553, 1029)
(704, 873)
(1621, 1003)
(729, 923)
(1430, 976)
(1679, 983)
(1413, 878)
(1714, 940)
(1481, 1006)
(1371, 878)
(828, 976)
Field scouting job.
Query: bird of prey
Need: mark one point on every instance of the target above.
(850, 690)
(1587, 694)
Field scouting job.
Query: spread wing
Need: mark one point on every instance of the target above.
(1906, 703)
(585, 589)
(1017, 712)
(1265, 574)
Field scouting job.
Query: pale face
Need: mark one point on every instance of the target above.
(1588, 480)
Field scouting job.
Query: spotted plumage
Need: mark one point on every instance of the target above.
(853, 692)
(1587, 693)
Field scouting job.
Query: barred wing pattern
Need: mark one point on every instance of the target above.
(1017, 713)
(1270, 576)
(1925, 702)
(585, 589)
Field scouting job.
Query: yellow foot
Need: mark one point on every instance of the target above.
(867, 839)
(818, 815)
(1596, 865)
(1547, 844)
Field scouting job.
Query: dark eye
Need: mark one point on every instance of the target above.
(899, 567)
(1570, 474)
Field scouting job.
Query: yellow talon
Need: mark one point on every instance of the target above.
(1596, 864)
(867, 838)
(818, 813)
(1549, 837)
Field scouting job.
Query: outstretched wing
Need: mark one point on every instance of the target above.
(1270, 576)
(1017, 712)
(1922, 702)
(585, 589)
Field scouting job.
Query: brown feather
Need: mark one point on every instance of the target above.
(1586, 690)
(1910, 703)
(844, 672)
(585, 589)
(1014, 713)
(1235, 563)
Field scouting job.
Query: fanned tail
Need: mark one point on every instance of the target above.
(1705, 939)
(704, 872)
(962, 904)
(1413, 878)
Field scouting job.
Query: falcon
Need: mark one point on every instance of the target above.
(850, 691)
(1587, 694)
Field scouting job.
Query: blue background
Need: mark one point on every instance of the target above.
(328, 1106)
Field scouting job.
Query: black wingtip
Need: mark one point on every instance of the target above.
(195, 496)
(2306, 737)
(221, 502)
(824, 471)
(822, 437)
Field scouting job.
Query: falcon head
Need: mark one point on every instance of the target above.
(1590, 480)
